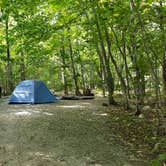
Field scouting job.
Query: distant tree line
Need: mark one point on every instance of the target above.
(106, 45)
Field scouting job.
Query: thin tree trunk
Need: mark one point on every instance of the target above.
(164, 75)
(77, 92)
(22, 67)
(154, 73)
(134, 58)
(101, 74)
(9, 68)
(82, 73)
(124, 55)
(137, 75)
(109, 77)
(102, 79)
(62, 53)
(124, 88)
(128, 74)
(164, 48)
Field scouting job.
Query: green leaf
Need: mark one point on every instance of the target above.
(116, 14)
(155, 162)
(162, 157)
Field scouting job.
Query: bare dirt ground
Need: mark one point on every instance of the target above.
(65, 133)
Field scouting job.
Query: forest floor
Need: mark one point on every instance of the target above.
(76, 133)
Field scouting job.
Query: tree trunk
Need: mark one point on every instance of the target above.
(164, 75)
(144, 43)
(22, 67)
(62, 53)
(134, 58)
(9, 67)
(109, 77)
(82, 73)
(102, 72)
(124, 88)
(124, 56)
(77, 92)
(164, 48)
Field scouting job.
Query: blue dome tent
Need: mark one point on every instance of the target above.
(31, 91)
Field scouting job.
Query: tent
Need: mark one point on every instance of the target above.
(31, 91)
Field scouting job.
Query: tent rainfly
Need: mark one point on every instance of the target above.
(31, 91)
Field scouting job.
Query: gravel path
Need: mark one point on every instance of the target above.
(66, 133)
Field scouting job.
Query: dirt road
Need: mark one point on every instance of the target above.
(66, 133)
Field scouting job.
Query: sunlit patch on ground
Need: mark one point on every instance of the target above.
(101, 114)
(23, 113)
(47, 113)
(37, 112)
(70, 106)
(41, 154)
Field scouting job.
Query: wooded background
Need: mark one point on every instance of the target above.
(106, 45)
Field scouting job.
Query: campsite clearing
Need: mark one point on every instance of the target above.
(77, 133)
